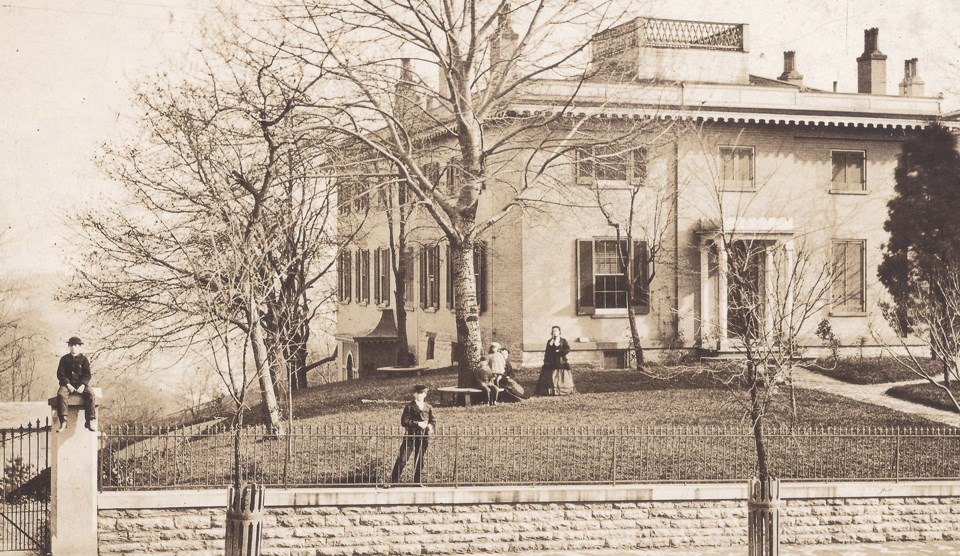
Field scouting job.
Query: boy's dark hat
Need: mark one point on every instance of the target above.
(420, 388)
(74, 341)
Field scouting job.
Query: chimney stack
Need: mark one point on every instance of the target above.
(912, 85)
(871, 66)
(503, 43)
(406, 99)
(790, 73)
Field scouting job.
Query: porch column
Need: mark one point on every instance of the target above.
(791, 276)
(722, 295)
(704, 293)
(768, 285)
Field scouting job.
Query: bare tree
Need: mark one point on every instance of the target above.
(220, 155)
(771, 280)
(934, 317)
(640, 208)
(485, 55)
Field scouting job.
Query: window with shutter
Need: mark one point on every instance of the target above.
(601, 283)
(377, 300)
(848, 172)
(345, 267)
(480, 272)
(383, 280)
(423, 278)
(409, 267)
(736, 169)
(449, 263)
(614, 164)
(848, 277)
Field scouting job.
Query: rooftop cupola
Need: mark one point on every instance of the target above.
(673, 50)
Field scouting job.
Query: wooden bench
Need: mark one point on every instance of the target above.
(397, 371)
(457, 393)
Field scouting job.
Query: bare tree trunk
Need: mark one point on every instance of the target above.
(268, 393)
(756, 419)
(398, 254)
(634, 333)
(467, 313)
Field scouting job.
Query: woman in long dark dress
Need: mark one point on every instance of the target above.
(556, 379)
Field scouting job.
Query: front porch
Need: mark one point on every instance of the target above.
(746, 281)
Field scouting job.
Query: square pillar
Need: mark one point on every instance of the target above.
(704, 294)
(722, 306)
(73, 483)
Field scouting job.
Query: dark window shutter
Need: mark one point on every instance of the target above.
(348, 268)
(435, 297)
(641, 294)
(585, 302)
(366, 275)
(449, 277)
(384, 279)
(376, 276)
(423, 278)
(480, 264)
(358, 297)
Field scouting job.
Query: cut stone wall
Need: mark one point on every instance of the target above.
(470, 520)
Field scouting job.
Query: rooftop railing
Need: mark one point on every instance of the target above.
(669, 33)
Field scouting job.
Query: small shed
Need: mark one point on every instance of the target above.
(363, 354)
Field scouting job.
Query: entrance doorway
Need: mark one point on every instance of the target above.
(746, 291)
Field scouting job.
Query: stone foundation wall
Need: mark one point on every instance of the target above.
(474, 520)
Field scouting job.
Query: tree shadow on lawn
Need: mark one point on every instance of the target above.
(927, 394)
(872, 370)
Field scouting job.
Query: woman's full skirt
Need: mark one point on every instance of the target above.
(555, 382)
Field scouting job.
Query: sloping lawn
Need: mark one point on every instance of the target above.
(871, 370)
(606, 398)
(927, 394)
(621, 424)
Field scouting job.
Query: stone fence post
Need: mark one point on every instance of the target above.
(73, 483)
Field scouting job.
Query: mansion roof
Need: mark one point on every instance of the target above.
(739, 103)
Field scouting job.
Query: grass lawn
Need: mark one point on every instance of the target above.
(621, 424)
(607, 398)
(927, 394)
(871, 370)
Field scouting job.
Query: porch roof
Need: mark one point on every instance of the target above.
(746, 226)
(385, 330)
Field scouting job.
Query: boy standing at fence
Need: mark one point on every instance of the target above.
(73, 374)
(418, 421)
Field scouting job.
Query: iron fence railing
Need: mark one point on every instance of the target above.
(151, 458)
(24, 507)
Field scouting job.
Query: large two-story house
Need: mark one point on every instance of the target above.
(770, 160)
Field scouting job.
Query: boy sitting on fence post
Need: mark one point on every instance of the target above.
(73, 374)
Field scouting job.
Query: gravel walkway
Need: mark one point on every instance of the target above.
(874, 394)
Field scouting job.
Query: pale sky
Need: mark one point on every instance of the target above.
(67, 69)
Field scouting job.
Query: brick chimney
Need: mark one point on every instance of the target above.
(406, 100)
(871, 66)
(503, 43)
(912, 85)
(790, 73)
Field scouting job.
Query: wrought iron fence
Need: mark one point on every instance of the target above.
(24, 508)
(151, 458)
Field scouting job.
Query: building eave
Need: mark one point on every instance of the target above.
(727, 103)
